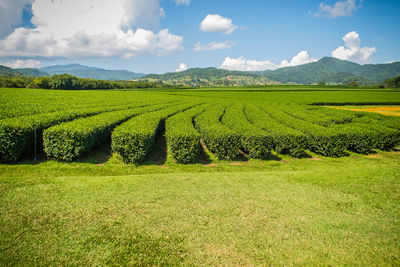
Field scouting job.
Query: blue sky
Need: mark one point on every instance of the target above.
(156, 36)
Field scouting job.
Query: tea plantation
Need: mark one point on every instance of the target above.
(245, 176)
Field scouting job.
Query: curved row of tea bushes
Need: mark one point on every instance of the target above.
(255, 141)
(69, 141)
(222, 141)
(286, 140)
(183, 140)
(320, 139)
(134, 138)
(319, 115)
(353, 138)
(360, 137)
(363, 117)
(18, 135)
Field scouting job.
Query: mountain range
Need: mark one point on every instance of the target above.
(92, 72)
(332, 70)
(328, 70)
(6, 71)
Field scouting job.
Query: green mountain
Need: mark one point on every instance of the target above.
(32, 72)
(332, 70)
(210, 77)
(92, 72)
(327, 69)
(6, 71)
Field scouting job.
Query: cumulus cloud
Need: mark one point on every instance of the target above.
(301, 58)
(243, 64)
(87, 28)
(214, 46)
(217, 23)
(11, 15)
(352, 50)
(339, 9)
(182, 67)
(182, 2)
(20, 63)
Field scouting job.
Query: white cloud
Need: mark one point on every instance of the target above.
(243, 64)
(352, 50)
(301, 58)
(182, 67)
(11, 15)
(182, 2)
(19, 63)
(216, 23)
(87, 28)
(339, 9)
(214, 46)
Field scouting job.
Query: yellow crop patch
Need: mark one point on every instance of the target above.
(384, 110)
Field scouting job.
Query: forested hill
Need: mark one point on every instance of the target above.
(327, 69)
(6, 71)
(211, 77)
(201, 73)
(332, 70)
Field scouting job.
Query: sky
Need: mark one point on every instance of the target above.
(158, 36)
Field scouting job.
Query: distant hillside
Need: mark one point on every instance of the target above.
(92, 72)
(210, 77)
(327, 69)
(32, 72)
(6, 71)
(332, 70)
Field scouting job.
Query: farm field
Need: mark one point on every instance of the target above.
(250, 176)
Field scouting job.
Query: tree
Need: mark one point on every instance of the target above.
(352, 83)
(41, 82)
(393, 82)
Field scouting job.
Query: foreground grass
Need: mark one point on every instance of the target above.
(292, 212)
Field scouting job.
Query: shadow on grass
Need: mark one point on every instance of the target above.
(158, 153)
(30, 160)
(99, 155)
(204, 158)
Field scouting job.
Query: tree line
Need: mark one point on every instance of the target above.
(69, 82)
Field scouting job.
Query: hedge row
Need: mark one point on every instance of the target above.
(360, 137)
(320, 139)
(134, 138)
(286, 140)
(367, 117)
(69, 141)
(321, 116)
(221, 140)
(255, 141)
(183, 140)
(17, 135)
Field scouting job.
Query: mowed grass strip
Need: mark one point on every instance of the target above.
(331, 212)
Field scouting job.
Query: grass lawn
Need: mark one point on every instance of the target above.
(317, 211)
